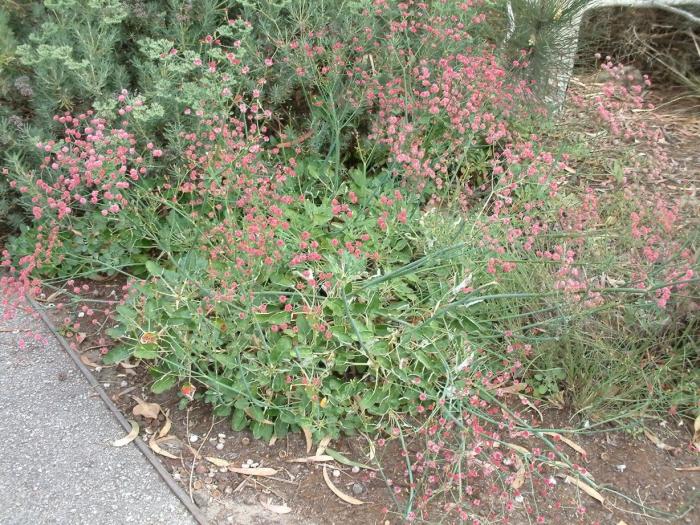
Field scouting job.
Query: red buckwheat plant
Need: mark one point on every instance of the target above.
(365, 222)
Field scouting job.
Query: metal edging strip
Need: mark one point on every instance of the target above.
(140, 444)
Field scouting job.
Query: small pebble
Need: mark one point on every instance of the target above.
(194, 438)
(219, 446)
(357, 488)
(245, 465)
(245, 441)
(123, 384)
(201, 498)
(222, 436)
(249, 461)
(355, 470)
(106, 385)
(336, 473)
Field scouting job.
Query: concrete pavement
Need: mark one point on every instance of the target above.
(57, 465)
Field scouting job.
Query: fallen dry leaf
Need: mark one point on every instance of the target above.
(586, 488)
(249, 413)
(126, 365)
(309, 439)
(260, 471)
(147, 410)
(88, 362)
(512, 389)
(346, 498)
(372, 451)
(126, 391)
(80, 337)
(310, 459)
(153, 443)
(563, 439)
(133, 433)
(659, 444)
(277, 509)
(688, 469)
(166, 427)
(519, 478)
(322, 445)
(217, 461)
(529, 403)
(518, 448)
(565, 466)
(273, 440)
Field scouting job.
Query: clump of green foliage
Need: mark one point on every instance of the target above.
(339, 218)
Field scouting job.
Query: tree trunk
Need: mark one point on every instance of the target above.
(568, 33)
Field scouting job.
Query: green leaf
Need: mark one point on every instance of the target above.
(304, 326)
(281, 428)
(238, 421)
(273, 318)
(116, 332)
(147, 351)
(262, 431)
(164, 384)
(242, 404)
(222, 411)
(341, 334)
(117, 354)
(372, 399)
(281, 349)
(255, 413)
(321, 216)
(359, 178)
(345, 461)
(226, 359)
(154, 269)
(426, 361)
